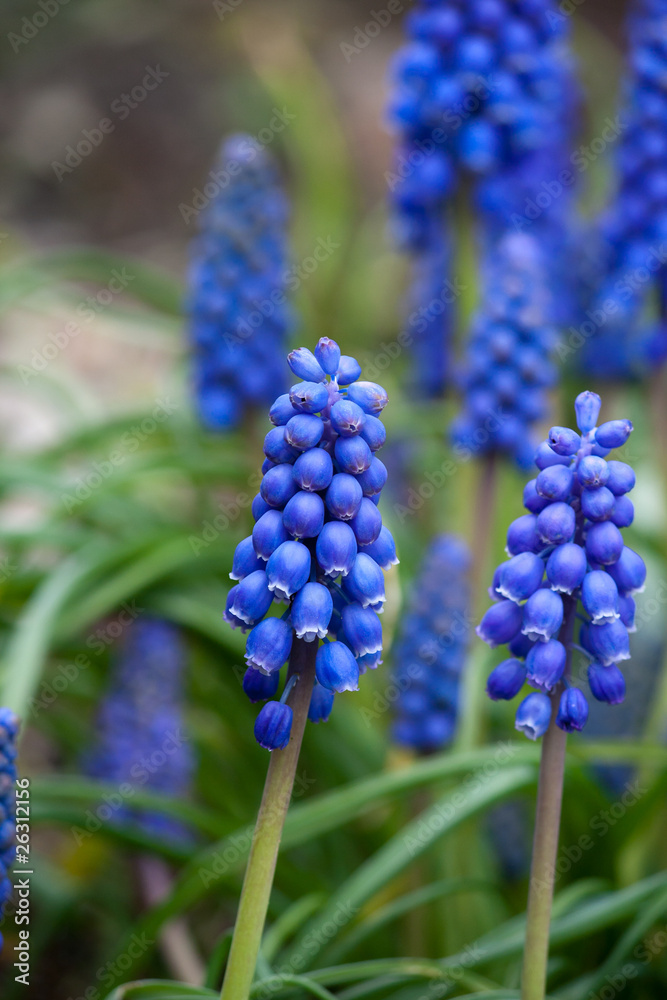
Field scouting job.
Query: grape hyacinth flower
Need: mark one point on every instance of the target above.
(629, 274)
(239, 315)
(507, 368)
(9, 727)
(140, 738)
(482, 91)
(567, 553)
(430, 649)
(318, 544)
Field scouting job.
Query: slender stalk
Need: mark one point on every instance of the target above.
(258, 880)
(545, 841)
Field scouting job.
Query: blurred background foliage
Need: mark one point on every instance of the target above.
(109, 491)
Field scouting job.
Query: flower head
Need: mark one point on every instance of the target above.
(567, 553)
(139, 717)
(318, 544)
(238, 265)
(430, 650)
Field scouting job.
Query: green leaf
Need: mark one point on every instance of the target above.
(274, 985)
(410, 843)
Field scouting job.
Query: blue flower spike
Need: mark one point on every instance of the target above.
(318, 544)
(568, 568)
(430, 649)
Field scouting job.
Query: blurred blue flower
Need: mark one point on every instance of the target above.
(430, 650)
(140, 738)
(239, 314)
(9, 727)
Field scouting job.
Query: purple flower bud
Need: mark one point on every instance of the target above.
(621, 478)
(282, 410)
(347, 419)
(533, 715)
(555, 482)
(336, 667)
(599, 596)
(521, 576)
(597, 504)
(500, 623)
(259, 686)
(321, 704)
(309, 397)
(227, 615)
(593, 472)
(542, 614)
(366, 523)
(362, 630)
(336, 549)
(623, 513)
(629, 573)
(556, 523)
(277, 448)
(532, 500)
(349, 370)
(604, 543)
(609, 643)
(268, 534)
(259, 506)
(545, 457)
(311, 612)
(627, 609)
(587, 408)
(266, 465)
(383, 549)
(305, 365)
(545, 664)
(572, 710)
(372, 481)
(522, 535)
(373, 432)
(252, 598)
(269, 645)
(343, 498)
(370, 396)
(313, 471)
(303, 431)
(506, 680)
(245, 560)
(613, 434)
(273, 726)
(303, 516)
(278, 486)
(327, 353)
(365, 582)
(564, 441)
(288, 569)
(566, 567)
(352, 455)
(606, 683)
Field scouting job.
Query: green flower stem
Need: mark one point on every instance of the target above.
(259, 874)
(545, 841)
